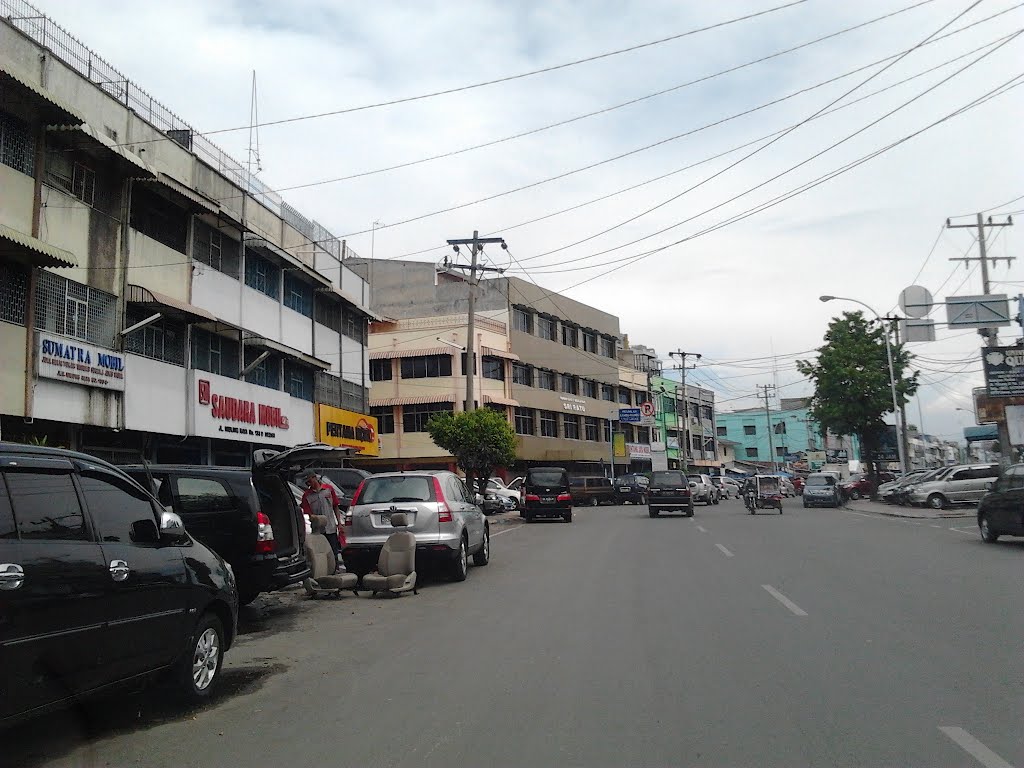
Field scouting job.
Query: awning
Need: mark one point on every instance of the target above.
(387, 402)
(492, 352)
(101, 139)
(158, 302)
(21, 247)
(390, 354)
(275, 251)
(340, 294)
(64, 111)
(501, 401)
(185, 191)
(276, 346)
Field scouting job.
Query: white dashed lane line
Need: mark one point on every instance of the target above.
(793, 607)
(725, 551)
(702, 529)
(974, 748)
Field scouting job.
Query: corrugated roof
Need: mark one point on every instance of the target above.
(501, 400)
(491, 351)
(185, 191)
(147, 298)
(69, 112)
(390, 354)
(276, 346)
(386, 402)
(19, 245)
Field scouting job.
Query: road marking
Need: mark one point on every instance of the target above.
(933, 525)
(702, 529)
(725, 551)
(961, 530)
(507, 530)
(796, 609)
(974, 748)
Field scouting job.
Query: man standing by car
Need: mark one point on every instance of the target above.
(320, 499)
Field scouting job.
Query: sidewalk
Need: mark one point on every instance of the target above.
(917, 513)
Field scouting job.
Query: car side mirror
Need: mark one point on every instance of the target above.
(991, 484)
(171, 527)
(478, 499)
(144, 532)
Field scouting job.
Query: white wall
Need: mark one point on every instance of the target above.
(261, 314)
(16, 200)
(354, 285)
(75, 404)
(216, 293)
(327, 346)
(352, 352)
(155, 266)
(156, 396)
(296, 331)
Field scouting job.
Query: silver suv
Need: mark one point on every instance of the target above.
(702, 489)
(961, 485)
(443, 516)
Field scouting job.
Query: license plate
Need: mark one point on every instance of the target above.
(548, 499)
(385, 518)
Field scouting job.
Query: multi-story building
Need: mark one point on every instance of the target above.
(687, 429)
(548, 362)
(156, 299)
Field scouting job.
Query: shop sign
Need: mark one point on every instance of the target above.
(235, 410)
(619, 445)
(673, 443)
(638, 451)
(629, 415)
(816, 460)
(347, 429)
(1004, 371)
(573, 404)
(77, 362)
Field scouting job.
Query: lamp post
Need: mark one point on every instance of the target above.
(892, 378)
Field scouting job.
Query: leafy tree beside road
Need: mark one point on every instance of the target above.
(851, 379)
(480, 441)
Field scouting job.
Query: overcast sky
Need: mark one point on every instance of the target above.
(742, 291)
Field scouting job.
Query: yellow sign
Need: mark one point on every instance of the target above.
(619, 445)
(347, 429)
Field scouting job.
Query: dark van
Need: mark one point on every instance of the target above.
(99, 586)
(546, 493)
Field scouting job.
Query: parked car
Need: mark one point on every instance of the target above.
(632, 488)
(1001, 511)
(962, 485)
(547, 493)
(888, 491)
(498, 488)
(902, 495)
(492, 504)
(786, 487)
(822, 490)
(344, 479)
(100, 585)
(670, 491)
(703, 489)
(862, 484)
(448, 524)
(729, 488)
(591, 491)
(248, 517)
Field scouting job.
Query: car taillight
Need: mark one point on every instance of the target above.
(444, 513)
(264, 535)
(357, 494)
(564, 497)
(532, 497)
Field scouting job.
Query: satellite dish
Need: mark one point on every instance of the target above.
(916, 301)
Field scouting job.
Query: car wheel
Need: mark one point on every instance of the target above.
(460, 565)
(806, 505)
(200, 667)
(593, 501)
(854, 494)
(567, 516)
(652, 512)
(936, 501)
(689, 511)
(988, 535)
(483, 557)
(247, 594)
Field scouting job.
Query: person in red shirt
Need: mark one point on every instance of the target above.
(320, 499)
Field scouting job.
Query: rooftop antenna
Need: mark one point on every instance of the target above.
(254, 131)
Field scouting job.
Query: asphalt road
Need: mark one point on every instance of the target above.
(816, 638)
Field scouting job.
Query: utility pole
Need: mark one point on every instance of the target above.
(476, 244)
(766, 394)
(991, 335)
(902, 436)
(684, 455)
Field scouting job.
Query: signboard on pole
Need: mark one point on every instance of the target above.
(1004, 371)
(888, 445)
(638, 451)
(619, 445)
(1015, 424)
(647, 414)
(629, 415)
(815, 460)
(987, 311)
(991, 410)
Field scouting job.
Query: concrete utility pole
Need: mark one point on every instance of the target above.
(476, 244)
(991, 335)
(902, 436)
(766, 394)
(684, 455)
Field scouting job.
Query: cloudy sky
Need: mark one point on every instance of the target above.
(647, 236)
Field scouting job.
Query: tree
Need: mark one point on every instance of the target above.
(480, 441)
(851, 379)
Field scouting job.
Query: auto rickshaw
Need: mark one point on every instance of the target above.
(762, 492)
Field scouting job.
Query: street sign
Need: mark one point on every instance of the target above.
(991, 410)
(988, 311)
(916, 301)
(815, 460)
(1015, 424)
(1004, 371)
(913, 331)
(647, 408)
(629, 415)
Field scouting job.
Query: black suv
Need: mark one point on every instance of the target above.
(249, 517)
(632, 488)
(546, 494)
(669, 490)
(99, 585)
(1001, 512)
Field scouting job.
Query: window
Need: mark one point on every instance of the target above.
(589, 388)
(262, 275)
(465, 363)
(524, 421)
(384, 490)
(695, 442)
(17, 145)
(629, 433)
(162, 340)
(568, 383)
(13, 290)
(214, 353)
(267, 373)
(749, 429)
(46, 506)
(780, 428)
(298, 380)
(522, 320)
(591, 429)
(353, 396)
(545, 379)
(570, 335)
(72, 309)
(668, 404)
(494, 368)
(353, 325)
(624, 398)
(590, 342)
(722, 431)
(212, 248)
(707, 413)
(548, 424)
(547, 328)
(63, 172)
(204, 494)
(381, 370)
(327, 312)
(115, 505)
(781, 450)
(643, 435)
(415, 417)
(607, 347)
(158, 218)
(385, 416)
(570, 427)
(298, 294)
(522, 374)
(608, 393)
(606, 430)
(426, 366)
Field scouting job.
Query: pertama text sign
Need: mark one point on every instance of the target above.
(77, 362)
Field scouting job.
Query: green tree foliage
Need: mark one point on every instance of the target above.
(480, 441)
(851, 378)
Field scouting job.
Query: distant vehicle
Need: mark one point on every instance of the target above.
(591, 491)
(822, 490)
(670, 491)
(888, 491)
(546, 493)
(902, 495)
(962, 485)
(1001, 511)
(798, 485)
(786, 487)
(346, 479)
(492, 504)
(632, 488)
(861, 484)
(729, 488)
(703, 489)
(498, 488)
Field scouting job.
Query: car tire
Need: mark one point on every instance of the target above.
(483, 557)
(689, 511)
(593, 501)
(247, 594)
(567, 516)
(988, 535)
(936, 501)
(199, 668)
(652, 512)
(806, 505)
(854, 494)
(460, 564)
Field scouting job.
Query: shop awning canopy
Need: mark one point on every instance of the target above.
(492, 352)
(62, 111)
(390, 354)
(18, 246)
(277, 253)
(501, 400)
(387, 402)
(99, 139)
(158, 302)
(179, 188)
(276, 346)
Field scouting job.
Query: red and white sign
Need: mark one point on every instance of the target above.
(647, 408)
(638, 451)
(235, 410)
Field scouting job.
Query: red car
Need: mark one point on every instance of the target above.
(861, 484)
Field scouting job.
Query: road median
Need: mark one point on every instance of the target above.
(914, 513)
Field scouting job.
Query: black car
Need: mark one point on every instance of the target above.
(1001, 512)
(347, 479)
(632, 488)
(100, 586)
(546, 494)
(248, 517)
(669, 491)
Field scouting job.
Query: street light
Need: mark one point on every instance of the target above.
(892, 377)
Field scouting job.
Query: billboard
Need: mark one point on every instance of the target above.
(888, 445)
(1004, 371)
(347, 429)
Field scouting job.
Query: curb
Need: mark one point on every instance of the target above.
(913, 514)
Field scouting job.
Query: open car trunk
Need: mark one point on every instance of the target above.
(278, 503)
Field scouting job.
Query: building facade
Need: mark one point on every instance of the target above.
(156, 299)
(686, 427)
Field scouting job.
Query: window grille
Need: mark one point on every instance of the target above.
(79, 311)
(68, 175)
(13, 293)
(214, 249)
(162, 340)
(17, 145)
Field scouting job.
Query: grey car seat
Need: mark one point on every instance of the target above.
(324, 579)
(396, 566)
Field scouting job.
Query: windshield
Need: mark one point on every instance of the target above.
(668, 477)
(545, 477)
(385, 490)
(821, 480)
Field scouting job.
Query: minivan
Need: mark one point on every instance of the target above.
(546, 493)
(591, 491)
(100, 586)
(962, 485)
